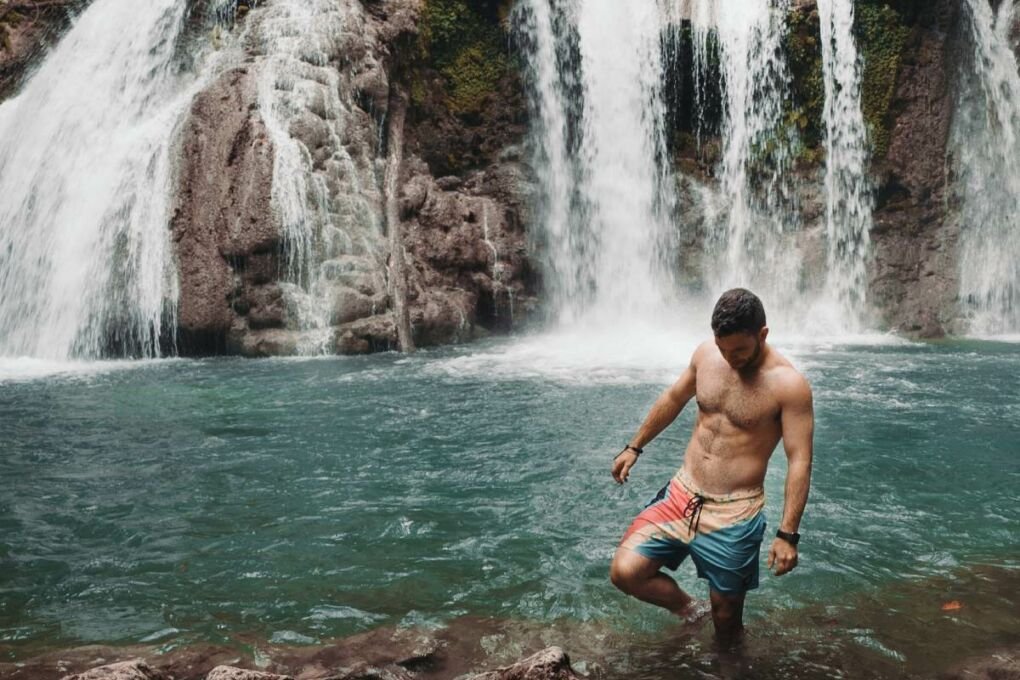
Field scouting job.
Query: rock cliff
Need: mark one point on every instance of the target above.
(434, 217)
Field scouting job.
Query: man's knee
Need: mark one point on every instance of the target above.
(628, 570)
(622, 578)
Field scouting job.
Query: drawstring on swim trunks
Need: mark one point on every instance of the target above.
(693, 510)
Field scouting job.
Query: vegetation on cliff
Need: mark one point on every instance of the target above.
(467, 43)
(466, 98)
(881, 38)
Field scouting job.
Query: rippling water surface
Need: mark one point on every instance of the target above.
(299, 500)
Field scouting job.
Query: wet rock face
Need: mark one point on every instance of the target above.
(225, 237)
(471, 268)
(27, 29)
(913, 280)
(245, 284)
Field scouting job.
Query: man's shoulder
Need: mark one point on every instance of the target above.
(787, 382)
(789, 385)
(705, 350)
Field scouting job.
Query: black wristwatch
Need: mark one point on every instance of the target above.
(793, 539)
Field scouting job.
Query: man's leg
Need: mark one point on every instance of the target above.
(728, 616)
(641, 577)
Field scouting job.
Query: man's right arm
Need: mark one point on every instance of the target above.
(663, 412)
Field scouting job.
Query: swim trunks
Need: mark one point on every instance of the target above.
(722, 534)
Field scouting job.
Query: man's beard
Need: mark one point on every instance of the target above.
(747, 365)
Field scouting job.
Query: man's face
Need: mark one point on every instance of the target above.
(741, 350)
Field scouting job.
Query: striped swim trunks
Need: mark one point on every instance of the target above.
(721, 533)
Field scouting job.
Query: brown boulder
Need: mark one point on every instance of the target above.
(135, 669)
(223, 212)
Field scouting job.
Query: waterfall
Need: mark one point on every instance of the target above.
(550, 69)
(987, 154)
(750, 244)
(849, 205)
(607, 197)
(85, 182)
(608, 213)
(327, 188)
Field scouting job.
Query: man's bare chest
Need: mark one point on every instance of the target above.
(748, 405)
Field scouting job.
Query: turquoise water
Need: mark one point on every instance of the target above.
(299, 500)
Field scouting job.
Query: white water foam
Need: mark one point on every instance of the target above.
(28, 369)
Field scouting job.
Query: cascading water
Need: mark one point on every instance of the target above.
(749, 243)
(607, 190)
(541, 29)
(607, 198)
(326, 187)
(849, 201)
(987, 155)
(85, 182)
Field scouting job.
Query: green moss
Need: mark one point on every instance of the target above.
(473, 75)
(881, 38)
(804, 54)
(466, 42)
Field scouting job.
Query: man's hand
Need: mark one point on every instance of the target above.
(622, 465)
(782, 556)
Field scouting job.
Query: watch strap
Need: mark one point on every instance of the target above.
(791, 538)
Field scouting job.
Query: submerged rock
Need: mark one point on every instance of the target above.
(1003, 664)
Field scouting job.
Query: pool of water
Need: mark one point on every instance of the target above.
(175, 502)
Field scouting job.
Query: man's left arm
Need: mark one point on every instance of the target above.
(798, 423)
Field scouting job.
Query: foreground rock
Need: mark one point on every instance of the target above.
(124, 670)
(234, 673)
(549, 664)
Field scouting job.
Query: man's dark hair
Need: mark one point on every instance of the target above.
(738, 311)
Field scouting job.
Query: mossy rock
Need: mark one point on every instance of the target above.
(881, 34)
(467, 43)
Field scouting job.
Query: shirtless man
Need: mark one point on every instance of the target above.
(749, 397)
